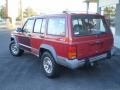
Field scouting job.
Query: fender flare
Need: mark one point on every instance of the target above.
(50, 49)
(13, 37)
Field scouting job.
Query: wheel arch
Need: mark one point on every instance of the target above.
(49, 48)
(13, 38)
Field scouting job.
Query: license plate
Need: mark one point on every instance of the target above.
(98, 57)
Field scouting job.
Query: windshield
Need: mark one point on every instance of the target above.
(88, 25)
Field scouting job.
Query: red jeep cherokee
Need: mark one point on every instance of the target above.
(71, 40)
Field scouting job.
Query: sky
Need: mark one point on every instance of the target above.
(58, 5)
(49, 6)
(2, 2)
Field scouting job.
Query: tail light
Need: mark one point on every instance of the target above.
(72, 53)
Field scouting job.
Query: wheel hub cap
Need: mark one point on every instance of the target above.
(47, 63)
(14, 48)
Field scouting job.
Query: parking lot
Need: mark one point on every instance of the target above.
(23, 73)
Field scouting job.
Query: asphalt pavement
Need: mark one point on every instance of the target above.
(24, 73)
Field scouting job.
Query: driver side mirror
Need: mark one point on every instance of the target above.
(19, 30)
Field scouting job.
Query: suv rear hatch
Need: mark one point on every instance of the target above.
(91, 35)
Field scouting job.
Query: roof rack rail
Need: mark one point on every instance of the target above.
(84, 12)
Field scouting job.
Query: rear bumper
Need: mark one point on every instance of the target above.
(73, 64)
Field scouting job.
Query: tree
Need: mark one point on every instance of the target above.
(3, 13)
(29, 12)
(109, 11)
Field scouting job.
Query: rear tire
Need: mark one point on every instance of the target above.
(15, 50)
(49, 66)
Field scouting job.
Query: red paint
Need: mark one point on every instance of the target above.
(83, 46)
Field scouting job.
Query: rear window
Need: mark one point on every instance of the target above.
(88, 25)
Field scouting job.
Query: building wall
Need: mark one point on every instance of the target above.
(117, 32)
(117, 20)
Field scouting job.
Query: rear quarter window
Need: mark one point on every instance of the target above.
(56, 26)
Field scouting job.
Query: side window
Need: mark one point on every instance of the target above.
(40, 26)
(37, 26)
(43, 26)
(28, 27)
(56, 26)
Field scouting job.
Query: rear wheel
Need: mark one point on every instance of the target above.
(15, 50)
(49, 66)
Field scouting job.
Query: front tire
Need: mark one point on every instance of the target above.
(49, 66)
(15, 50)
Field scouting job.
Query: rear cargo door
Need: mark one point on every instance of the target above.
(105, 42)
(86, 46)
(91, 35)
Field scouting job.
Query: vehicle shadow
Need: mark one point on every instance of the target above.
(102, 68)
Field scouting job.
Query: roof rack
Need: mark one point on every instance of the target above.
(75, 12)
(66, 12)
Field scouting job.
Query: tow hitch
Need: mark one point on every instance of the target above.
(88, 63)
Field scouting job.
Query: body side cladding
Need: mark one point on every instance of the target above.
(50, 49)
